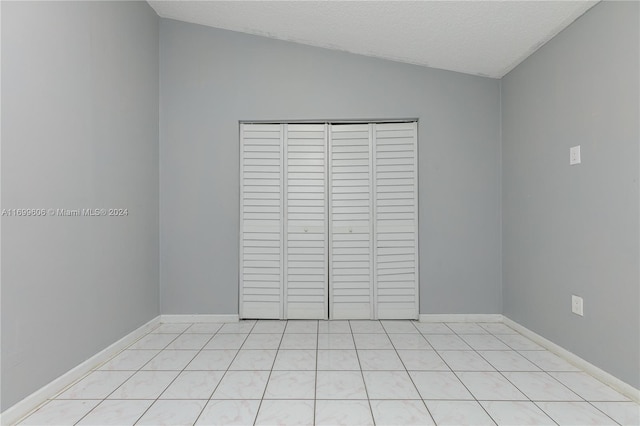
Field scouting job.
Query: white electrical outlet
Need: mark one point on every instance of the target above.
(574, 155)
(577, 305)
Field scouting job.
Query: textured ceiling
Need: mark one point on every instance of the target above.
(486, 38)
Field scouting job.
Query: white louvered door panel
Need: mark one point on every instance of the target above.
(306, 289)
(261, 222)
(350, 231)
(396, 220)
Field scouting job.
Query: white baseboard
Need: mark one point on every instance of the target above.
(199, 318)
(460, 318)
(14, 413)
(617, 384)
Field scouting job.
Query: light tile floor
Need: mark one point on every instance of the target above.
(337, 372)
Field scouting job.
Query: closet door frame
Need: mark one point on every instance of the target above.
(328, 219)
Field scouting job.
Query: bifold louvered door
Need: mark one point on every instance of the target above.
(395, 192)
(261, 221)
(329, 221)
(350, 231)
(305, 218)
(283, 241)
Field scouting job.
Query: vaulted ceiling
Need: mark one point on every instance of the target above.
(487, 38)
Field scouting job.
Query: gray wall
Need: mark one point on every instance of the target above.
(210, 79)
(79, 130)
(574, 229)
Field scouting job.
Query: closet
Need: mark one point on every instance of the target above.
(328, 221)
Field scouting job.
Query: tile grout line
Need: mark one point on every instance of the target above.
(266, 385)
(96, 368)
(225, 371)
(504, 376)
(405, 367)
(174, 379)
(106, 398)
(501, 372)
(362, 373)
(181, 371)
(542, 370)
(584, 400)
(458, 377)
(596, 407)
